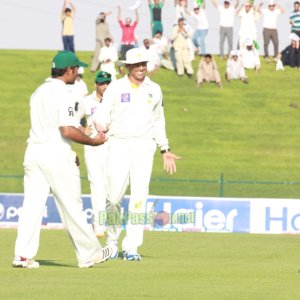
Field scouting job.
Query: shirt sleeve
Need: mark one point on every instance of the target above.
(159, 124)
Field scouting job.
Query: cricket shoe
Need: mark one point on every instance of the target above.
(104, 256)
(131, 256)
(115, 250)
(22, 262)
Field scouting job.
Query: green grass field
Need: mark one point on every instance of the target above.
(175, 266)
(247, 132)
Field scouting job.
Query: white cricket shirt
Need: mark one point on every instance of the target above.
(133, 112)
(51, 106)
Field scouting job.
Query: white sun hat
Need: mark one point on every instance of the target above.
(135, 55)
(294, 37)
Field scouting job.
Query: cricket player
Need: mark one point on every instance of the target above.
(132, 110)
(95, 157)
(50, 164)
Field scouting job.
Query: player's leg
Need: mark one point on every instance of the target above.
(140, 174)
(118, 164)
(64, 179)
(36, 190)
(95, 159)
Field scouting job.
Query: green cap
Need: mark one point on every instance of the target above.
(102, 77)
(65, 59)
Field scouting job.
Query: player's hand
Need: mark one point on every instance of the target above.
(99, 139)
(169, 162)
(88, 130)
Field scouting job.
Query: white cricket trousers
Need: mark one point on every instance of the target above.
(96, 160)
(53, 167)
(129, 162)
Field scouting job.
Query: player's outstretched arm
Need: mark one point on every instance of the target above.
(169, 162)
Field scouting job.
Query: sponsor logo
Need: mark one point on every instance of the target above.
(283, 219)
(2, 211)
(93, 109)
(125, 97)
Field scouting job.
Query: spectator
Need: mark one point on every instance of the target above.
(247, 13)
(128, 36)
(208, 71)
(67, 16)
(155, 15)
(154, 60)
(234, 67)
(226, 13)
(199, 14)
(160, 43)
(250, 56)
(181, 11)
(295, 18)
(180, 38)
(290, 56)
(270, 26)
(102, 32)
(108, 57)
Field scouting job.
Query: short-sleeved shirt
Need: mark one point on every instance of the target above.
(128, 37)
(226, 16)
(201, 19)
(51, 106)
(270, 18)
(295, 17)
(155, 11)
(68, 28)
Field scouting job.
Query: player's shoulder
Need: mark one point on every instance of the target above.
(152, 83)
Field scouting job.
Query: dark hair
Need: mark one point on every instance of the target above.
(58, 72)
(68, 10)
(158, 31)
(207, 56)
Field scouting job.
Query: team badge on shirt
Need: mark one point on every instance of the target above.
(71, 111)
(93, 109)
(125, 97)
(150, 96)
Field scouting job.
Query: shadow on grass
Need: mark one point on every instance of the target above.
(52, 263)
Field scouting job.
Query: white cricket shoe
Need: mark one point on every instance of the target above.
(22, 262)
(115, 250)
(104, 255)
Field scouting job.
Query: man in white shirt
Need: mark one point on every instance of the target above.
(270, 26)
(50, 164)
(247, 13)
(199, 15)
(250, 56)
(132, 109)
(234, 67)
(227, 13)
(108, 57)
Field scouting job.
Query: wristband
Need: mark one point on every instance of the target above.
(164, 151)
